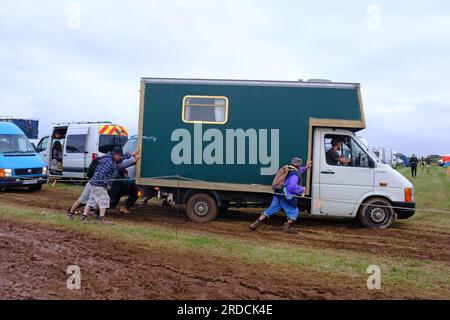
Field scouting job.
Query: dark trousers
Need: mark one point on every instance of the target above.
(414, 171)
(120, 189)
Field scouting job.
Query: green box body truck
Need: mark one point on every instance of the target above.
(215, 144)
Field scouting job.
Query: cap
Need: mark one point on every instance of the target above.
(296, 161)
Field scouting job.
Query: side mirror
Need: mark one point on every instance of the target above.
(371, 163)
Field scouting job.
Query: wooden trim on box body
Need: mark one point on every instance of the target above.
(217, 186)
(140, 125)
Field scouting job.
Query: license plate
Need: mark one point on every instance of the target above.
(34, 181)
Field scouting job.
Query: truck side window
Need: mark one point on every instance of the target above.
(76, 143)
(332, 156)
(360, 157)
(205, 109)
(349, 149)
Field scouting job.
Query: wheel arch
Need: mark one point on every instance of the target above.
(214, 194)
(365, 197)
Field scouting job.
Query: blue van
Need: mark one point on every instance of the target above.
(20, 164)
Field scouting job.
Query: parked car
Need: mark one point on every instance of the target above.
(69, 149)
(20, 165)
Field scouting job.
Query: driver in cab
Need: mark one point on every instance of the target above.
(333, 157)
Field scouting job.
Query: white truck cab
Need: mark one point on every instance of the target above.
(365, 187)
(69, 148)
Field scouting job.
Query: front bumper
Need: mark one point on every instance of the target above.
(404, 210)
(13, 182)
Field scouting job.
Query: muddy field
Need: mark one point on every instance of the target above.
(35, 256)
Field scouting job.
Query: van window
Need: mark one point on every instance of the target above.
(42, 144)
(349, 149)
(107, 142)
(15, 143)
(205, 109)
(131, 145)
(76, 143)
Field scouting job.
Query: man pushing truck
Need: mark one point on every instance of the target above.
(287, 189)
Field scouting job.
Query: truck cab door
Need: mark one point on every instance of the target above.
(341, 186)
(74, 157)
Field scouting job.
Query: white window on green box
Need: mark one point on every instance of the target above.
(205, 109)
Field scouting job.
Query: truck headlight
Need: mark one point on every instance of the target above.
(44, 171)
(409, 194)
(5, 173)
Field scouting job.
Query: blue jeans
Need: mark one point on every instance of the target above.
(278, 203)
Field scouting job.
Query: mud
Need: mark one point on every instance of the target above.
(35, 257)
(404, 240)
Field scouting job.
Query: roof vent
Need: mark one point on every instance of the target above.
(319, 80)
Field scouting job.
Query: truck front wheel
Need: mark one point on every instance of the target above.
(201, 208)
(376, 213)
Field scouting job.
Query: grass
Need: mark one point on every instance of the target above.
(414, 278)
(432, 191)
(64, 186)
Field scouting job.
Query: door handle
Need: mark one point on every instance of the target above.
(327, 172)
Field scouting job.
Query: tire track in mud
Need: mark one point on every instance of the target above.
(36, 257)
(404, 240)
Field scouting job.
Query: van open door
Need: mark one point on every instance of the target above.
(75, 153)
(43, 149)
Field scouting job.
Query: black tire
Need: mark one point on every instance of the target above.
(376, 213)
(37, 187)
(201, 208)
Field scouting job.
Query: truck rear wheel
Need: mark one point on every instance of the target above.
(376, 213)
(201, 208)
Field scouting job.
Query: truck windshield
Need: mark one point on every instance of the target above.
(15, 143)
(107, 142)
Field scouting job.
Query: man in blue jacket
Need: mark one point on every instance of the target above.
(286, 198)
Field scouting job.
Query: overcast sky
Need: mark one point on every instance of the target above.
(58, 66)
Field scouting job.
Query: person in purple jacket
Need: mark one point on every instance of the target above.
(286, 198)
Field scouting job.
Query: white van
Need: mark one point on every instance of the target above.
(69, 148)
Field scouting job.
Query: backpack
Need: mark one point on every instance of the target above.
(92, 167)
(280, 177)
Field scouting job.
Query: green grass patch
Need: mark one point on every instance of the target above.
(431, 191)
(63, 186)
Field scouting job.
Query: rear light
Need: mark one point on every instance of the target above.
(94, 156)
(408, 195)
(139, 193)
